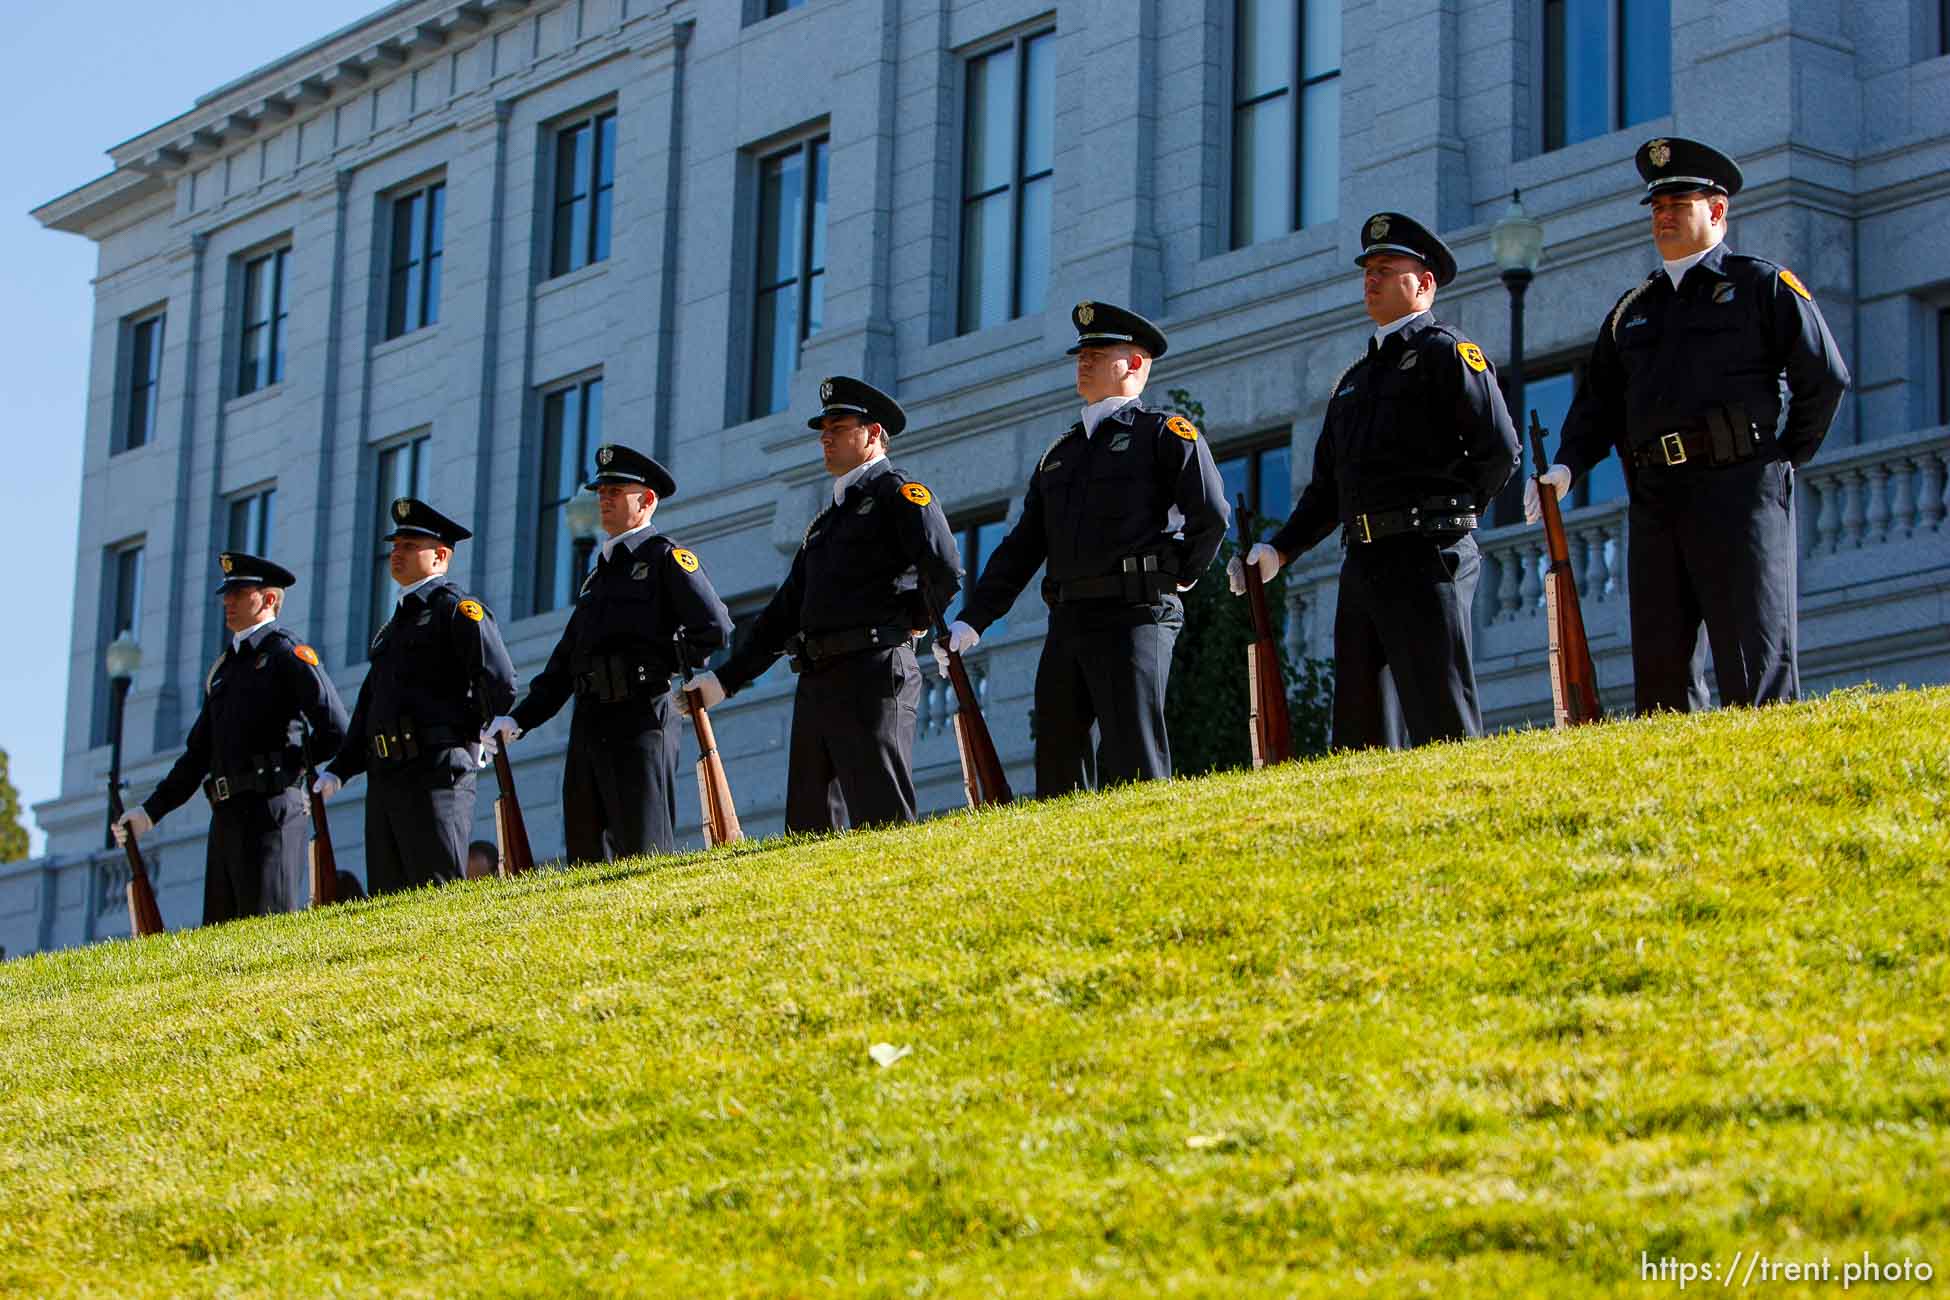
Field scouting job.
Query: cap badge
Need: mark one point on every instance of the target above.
(1377, 229)
(1086, 312)
(225, 561)
(1659, 153)
(826, 393)
(604, 455)
(401, 509)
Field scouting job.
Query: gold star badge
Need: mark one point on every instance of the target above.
(1472, 357)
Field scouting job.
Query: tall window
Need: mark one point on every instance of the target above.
(402, 472)
(585, 177)
(145, 372)
(261, 358)
(249, 529)
(1286, 116)
(572, 427)
(419, 234)
(976, 537)
(1008, 154)
(1607, 65)
(121, 612)
(773, 8)
(1943, 359)
(1263, 474)
(791, 297)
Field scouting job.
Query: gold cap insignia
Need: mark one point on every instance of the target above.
(1377, 229)
(604, 455)
(826, 392)
(401, 509)
(1659, 153)
(1086, 312)
(225, 561)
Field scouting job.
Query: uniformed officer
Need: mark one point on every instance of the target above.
(1415, 443)
(1685, 381)
(1127, 509)
(438, 668)
(616, 657)
(872, 565)
(264, 700)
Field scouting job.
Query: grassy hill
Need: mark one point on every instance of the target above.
(1505, 1018)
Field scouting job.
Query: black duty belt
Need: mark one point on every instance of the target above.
(1436, 515)
(1140, 580)
(810, 650)
(269, 775)
(1729, 438)
(408, 741)
(614, 679)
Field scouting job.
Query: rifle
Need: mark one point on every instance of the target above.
(145, 917)
(510, 827)
(720, 815)
(1271, 727)
(1574, 682)
(324, 862)
(981, 768)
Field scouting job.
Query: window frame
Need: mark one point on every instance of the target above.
(141, 392)
(1615, 72)
(110, 622)
(423, 273)
(261, 498)
(815, 152)
(1255, 447)
(548, 509)
(247, 378)
(1017, 43)
(968, 524)
(1943, 358)
(419, 444)
(1295, 91)
(599, 196)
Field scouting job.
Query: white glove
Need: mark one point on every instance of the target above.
(1262, 557)
(326, 785)
(710, 692)
(1533, 506)
(133, 822)
(961, 639)
(498, 733)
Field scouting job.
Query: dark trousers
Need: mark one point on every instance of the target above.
(1106, 665)
(852, 756)
(619, 783)
(255, 857)
(419, 820)
(1405, 606)
(1713, 547)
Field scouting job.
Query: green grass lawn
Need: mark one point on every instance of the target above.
(1493, 1019)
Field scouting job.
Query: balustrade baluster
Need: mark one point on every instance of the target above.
(1828, 513)
(1930, 464)
(1875, 519)
(1902, 498)
(1533, 583)
(1851, 482)
(1591, 586)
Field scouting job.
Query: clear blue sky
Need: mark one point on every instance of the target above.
(74, 80)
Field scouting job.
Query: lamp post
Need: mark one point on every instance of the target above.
(584, 517)
(1517, 239)
(124, 659)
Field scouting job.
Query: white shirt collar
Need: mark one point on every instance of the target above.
(1396, 326)
(632, 539)
(1094, 413)
(252, 634)
(1676, 271)
(428, 581)
(854, 475)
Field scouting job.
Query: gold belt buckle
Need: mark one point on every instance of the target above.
(1361, 522)
(379, 746)
(1674, 447)
(223, 788)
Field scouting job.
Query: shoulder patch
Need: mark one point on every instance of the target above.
(916, 493)
(473, 609)
(686, 560)
(1472, 357)
(306, 654)
(1183, 427)
(1793, 281)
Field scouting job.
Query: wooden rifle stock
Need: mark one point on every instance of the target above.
(720, 815)
(324, 862)
(1574, 681)
(1271, 726)
(145, 917)
(510, 828)
(982, 777)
